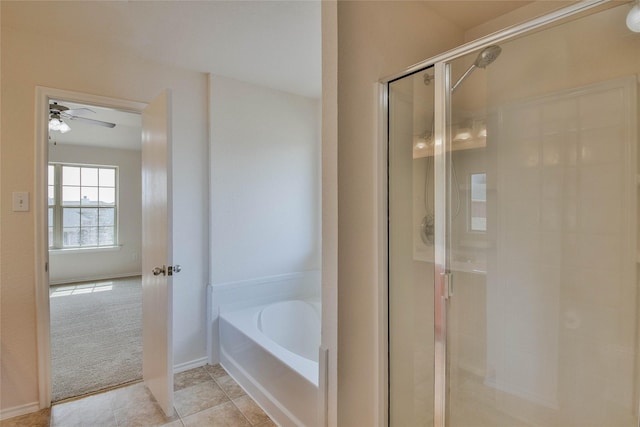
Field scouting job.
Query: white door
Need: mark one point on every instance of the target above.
(157, 283)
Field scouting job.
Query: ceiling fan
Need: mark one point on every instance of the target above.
(58, 112)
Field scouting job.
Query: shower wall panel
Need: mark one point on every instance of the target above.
(562, 293)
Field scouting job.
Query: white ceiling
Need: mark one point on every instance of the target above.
(271, 43)
(467, 14)
(267, 42)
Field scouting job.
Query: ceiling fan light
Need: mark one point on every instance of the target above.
(633, 18)
(54, 124)
(64, 128)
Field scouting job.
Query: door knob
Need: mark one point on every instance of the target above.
(159, 270)
(174, 269)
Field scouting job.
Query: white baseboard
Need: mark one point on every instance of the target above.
(16, 411)
(92, 278)
(181, 367)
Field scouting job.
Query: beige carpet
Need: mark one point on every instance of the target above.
(96, 336)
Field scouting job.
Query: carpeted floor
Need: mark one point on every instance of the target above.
(96, 336)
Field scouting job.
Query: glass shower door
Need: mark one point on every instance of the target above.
(542, 325)
(411, 250)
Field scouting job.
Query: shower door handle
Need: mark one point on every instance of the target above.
(448, 284)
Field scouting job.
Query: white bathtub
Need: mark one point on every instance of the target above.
(272, 351)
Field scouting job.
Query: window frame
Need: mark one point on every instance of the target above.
(58, 208)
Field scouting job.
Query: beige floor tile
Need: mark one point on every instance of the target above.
(190, 377)
(129, 397)
(225, 415)
(251, 410)
(198, 398)
(176, 423)
(230, 387)
(145, 414)
(35, 419)
(216, 371)
(90, 411)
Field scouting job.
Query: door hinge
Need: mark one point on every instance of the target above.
(448, 285)
(46, 267)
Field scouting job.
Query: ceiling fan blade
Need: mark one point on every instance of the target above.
(90, 121)
(79, 111)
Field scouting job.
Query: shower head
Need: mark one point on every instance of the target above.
(485, 57)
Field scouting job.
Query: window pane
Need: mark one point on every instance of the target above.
(107, 196)
(52, 195)
(107, 177)
(89, 236)
(479, 202)
(89, 177)
(71, 217)
(89, 217)
(50, 219)
(89, 196)
(70, 195)
(71, 237)
(106, 236)
(70, 175)
(107, 216)
(81, 191)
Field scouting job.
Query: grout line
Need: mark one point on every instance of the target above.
(229, 397)
(242, 413)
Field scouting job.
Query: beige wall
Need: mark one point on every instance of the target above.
(328, 366)
(30, 60)
(375, 39)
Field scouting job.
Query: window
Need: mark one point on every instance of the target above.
(478, 202)
(82, 206)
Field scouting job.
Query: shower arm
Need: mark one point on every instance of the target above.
(464, 76)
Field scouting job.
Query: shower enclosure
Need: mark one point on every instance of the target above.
(513, 240)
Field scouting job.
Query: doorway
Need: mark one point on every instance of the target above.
(95, 243)
(157, 308)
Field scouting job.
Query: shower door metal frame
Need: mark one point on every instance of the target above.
(442, 138)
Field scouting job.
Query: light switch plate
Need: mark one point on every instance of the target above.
(20, 201)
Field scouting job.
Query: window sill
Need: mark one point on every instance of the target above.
(85, 250)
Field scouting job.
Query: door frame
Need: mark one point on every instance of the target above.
(40, 205)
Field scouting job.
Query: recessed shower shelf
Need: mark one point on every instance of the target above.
(468, 144)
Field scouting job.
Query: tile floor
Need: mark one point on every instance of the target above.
(205, 396)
